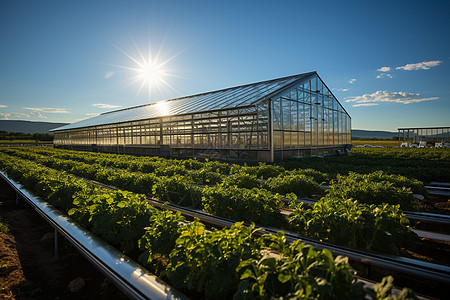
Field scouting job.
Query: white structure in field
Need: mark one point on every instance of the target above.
(424, 137)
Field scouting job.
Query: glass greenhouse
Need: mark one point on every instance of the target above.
(295, 116)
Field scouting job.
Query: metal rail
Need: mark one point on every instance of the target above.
(429, 217)
(438, 190)
(127, 275)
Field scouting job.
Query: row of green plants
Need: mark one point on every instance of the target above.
(210, 172)
(171, 166)
(213, 264)
(292, 182)
(422, 164)
(376, 188)
(373, 188)
(250, 203)
(333, 165)
(427, 154)
(357, 225)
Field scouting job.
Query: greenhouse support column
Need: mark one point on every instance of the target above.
(219, 134)
(192, 135)
(271, 130)
(117, 138)
(160, 133)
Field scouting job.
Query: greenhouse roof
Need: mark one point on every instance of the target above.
(239, 96)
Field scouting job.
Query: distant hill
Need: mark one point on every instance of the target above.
(357, 133)
(28, 126)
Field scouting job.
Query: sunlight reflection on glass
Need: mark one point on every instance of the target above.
(163, 107)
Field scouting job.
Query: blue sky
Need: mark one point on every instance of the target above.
(388, 62)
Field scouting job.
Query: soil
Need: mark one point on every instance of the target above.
(28, 266)
(433, 251)
(436, 204)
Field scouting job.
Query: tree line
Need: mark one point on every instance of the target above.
(5, 135)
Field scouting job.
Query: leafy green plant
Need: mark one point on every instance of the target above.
(261, 171)
(267, 171)
(318, 176)
(216, 166)
(255, 205)
(118, 216)
(364, 190)
(297, 272)
(205, 177)
(353, 224)
(160, 237)
(300, 185)
(179, 190)
(383, 291)
(399, 181)
(206, 262)
(243, 180)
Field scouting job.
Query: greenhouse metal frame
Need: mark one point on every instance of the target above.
(295, 116)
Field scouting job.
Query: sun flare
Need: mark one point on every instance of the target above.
(149, 69)
(163, 107)
(150, 74)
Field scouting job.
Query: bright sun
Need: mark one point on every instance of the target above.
(150, 74)
(149, 70)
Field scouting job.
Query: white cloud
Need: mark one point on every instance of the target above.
(420, 66)
(384, 75)
(48, 110)
(390, 97)
(37, 114)
(365, 104)
(92, 114)
(384, 69)
(3, 106)
(352, 80)
(7, 116)
(103, 105)
(109, 74)
(342, 90)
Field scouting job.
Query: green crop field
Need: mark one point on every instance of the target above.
(18, 142)
(384, 143)
(363, 209)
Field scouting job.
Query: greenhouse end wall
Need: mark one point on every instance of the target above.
(309, 121)
(300, 120)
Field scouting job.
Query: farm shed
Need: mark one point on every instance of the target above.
(295, 116)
